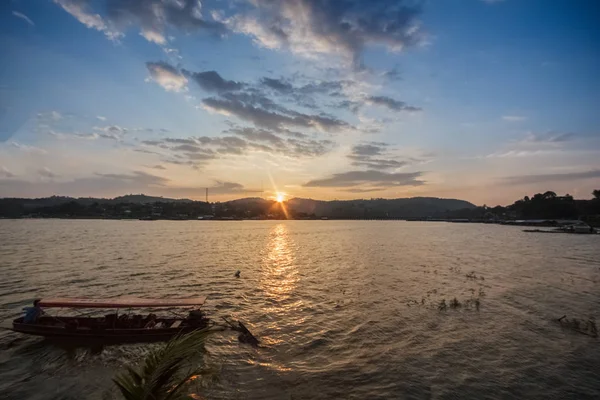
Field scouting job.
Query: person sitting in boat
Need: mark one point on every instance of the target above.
(32, 314)
(151, 322)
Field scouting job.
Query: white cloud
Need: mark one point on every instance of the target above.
(153, 17)
(101, 118)
(153, 36)
(538, 144)
(519, 153)
(513, 118)
(23, 17)
(5, 173)
(79, 10)
(50, 116)
(46, 173)
(252, 27)
(76, 135)
(548, 139)
(167, 76)
(111, 129)
(28, 149)
(312, 28)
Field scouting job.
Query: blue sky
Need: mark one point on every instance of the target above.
(486, 101)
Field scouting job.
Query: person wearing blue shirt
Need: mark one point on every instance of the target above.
(33, 313)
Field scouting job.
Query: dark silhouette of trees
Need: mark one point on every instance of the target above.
(547, 206)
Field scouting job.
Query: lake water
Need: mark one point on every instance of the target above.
(345, 309)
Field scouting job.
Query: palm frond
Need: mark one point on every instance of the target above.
(161, 375)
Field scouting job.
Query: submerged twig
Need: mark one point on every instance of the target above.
(584, 327)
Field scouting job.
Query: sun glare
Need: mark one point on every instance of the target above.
(280, 197)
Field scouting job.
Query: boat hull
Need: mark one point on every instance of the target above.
(103, 335)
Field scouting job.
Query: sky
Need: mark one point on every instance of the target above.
(481, 100)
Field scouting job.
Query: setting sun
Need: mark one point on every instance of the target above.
(280, 197)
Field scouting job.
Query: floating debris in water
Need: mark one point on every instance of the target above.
(443, 306)
(584, 327)
(237, 273)
(455, 303)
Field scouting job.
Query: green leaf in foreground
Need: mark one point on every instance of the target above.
(165, 372)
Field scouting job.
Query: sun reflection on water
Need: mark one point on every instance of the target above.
(279, 270)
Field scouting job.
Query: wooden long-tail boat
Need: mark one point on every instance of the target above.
(115, 328)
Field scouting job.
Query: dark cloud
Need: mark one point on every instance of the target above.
(294, 134)
(310, 148)
(111, 136)
(144, 151)
(225, 144)
(255, 98)
(218, 187)
(372, 155)
(303, 95)
(258, 135)
(296, 145)
(355, 105)
(211, 81)
(545, 178)
(112, 129)
(200, 156)
(369, 177)
(178, 141)
(139, 177)
(350, 105)
(221, 187)
(251, 103)
(367, 190)
(239, 141)
(394, 105)
(304, 26)
(157, 166)
(192, 164)
(187, 147)
(367, 150)
(153, 16)
(270, 119)
(346, 26)
(377, 163)
(392, 75)
(324, 87)
(278, 85)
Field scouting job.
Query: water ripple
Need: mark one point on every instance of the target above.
(345, 309)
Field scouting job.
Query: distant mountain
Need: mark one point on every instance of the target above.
(58, 200)
(251, 207)
(414, 207)
(249, 200)
(143, 199)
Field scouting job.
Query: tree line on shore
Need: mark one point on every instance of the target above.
(547, 205)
